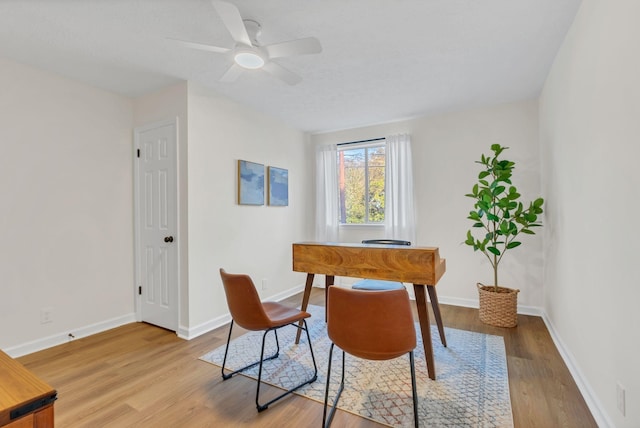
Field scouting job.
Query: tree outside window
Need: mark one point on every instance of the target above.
(361, 184)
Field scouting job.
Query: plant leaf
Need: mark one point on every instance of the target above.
(470, 240)
(513, 244)
(493, 250)
(513, 196)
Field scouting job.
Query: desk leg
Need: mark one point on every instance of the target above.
(425, 328)
(305, 302)
(433, 296)
(328, 282)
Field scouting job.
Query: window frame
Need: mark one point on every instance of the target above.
(368, 144)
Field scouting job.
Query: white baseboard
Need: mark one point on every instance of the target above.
(595, 406)
(473, 303)
(183, 332)
(205, 327)
(60, 338)
(456, 301)
(287, 293)
(192, 333)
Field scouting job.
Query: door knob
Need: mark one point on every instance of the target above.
(168, 239)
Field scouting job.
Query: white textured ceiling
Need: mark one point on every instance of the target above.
(382, 60)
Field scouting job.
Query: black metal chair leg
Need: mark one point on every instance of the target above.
(313, 358)
(326, 421)
(226, 376)
(262, 407)
(414, 388)
(326, 390)
(226, 350)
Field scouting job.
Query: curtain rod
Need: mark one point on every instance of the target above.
(361, 141)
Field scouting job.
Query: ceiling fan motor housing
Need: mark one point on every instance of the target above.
(254, 29)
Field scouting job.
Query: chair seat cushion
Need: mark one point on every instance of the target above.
(377, 284)
(280, 315)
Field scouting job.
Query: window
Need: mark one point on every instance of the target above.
(361, 170)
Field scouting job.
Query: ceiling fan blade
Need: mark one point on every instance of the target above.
(309, 45)
(282, 73)
(231, 74)
(231, 18)
(201, 46)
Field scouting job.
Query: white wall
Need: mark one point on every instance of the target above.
(222, 234)
(445, 148)
(65, 187)
(590, 123)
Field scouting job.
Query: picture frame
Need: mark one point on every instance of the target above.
(250, 183)
(278, 194)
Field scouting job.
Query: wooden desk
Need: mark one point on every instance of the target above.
(420, 266)
(25, 400)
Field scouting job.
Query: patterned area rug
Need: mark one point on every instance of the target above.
(471, 390)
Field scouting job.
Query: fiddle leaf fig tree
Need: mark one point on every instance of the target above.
(499, 218)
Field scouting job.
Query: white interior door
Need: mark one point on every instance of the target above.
(156, 225)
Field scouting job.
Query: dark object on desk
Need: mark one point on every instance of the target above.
(373, 325)
(386, 242)
(373, 284)
(250, 313)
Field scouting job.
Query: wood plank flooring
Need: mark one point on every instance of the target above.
(139, 375)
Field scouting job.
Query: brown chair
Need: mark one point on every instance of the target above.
(378, 284)
(250, 313)
(373, 325)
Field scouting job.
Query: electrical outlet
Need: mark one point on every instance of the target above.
(264, 284)
(46, 315)
(620, 398)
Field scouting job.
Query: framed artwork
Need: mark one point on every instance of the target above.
(250, 183)
(278, 186)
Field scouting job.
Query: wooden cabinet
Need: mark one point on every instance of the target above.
(25, 400)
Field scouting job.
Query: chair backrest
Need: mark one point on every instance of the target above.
(244, 302)
(375, 325)
(386, 241)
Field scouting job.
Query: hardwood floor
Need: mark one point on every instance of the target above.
(139, 375)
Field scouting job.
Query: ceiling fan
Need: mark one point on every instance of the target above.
(248, 53)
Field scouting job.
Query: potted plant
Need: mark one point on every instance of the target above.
(499, 218)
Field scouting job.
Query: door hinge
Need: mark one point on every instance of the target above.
(138, 152)
(140, 290)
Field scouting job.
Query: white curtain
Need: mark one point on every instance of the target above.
(399, 215)
(327, 193)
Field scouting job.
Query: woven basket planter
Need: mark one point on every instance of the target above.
(498, 307)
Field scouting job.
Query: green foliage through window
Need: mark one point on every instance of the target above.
(361, 184)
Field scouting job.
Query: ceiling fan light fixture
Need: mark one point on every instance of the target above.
(250, 60)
